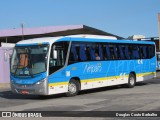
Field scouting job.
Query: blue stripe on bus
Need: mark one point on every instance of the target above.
(100, 79)
(104, 40)
(101, 69)
(28, 80)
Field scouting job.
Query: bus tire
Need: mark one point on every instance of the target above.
(131, 80)
(73, 88)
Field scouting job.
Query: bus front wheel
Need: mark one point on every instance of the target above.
(131, 80)
(73, 88)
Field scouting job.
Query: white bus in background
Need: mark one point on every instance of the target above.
(158, 60)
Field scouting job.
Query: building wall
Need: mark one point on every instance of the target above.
(5, 54)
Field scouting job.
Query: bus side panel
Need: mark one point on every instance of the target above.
(123, 69)
(97, 74)
(100, 73)
(57, 83)
(148, 69)
(89, 73)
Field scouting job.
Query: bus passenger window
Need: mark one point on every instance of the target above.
(97, 56)
(73, 57)
(100, 52)
(108, 52)
(115, 52)
(104, 52)
(121, 52)
(92, 53)
(143, 52)
(112, 52)
(151, 50)
(127, 55)
(82, 53)
(135, 53)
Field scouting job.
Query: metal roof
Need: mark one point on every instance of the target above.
(15, 35)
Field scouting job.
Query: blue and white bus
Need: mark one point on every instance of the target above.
(53, 65)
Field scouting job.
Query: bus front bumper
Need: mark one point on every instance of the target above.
(39, 88)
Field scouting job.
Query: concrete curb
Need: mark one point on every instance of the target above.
(4, 85)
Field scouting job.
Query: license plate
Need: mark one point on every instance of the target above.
(25, 92)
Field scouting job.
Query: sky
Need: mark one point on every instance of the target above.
(120, 17)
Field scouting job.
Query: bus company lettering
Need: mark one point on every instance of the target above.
(92, 68)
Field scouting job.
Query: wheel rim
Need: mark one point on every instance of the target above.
(131, 80)
(72, 88)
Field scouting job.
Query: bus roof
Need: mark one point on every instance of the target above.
(90, 38)
(39, 40)
(93, 36)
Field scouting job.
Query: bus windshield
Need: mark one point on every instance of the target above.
(29, 60)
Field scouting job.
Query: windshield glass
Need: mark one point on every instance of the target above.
(29, 60)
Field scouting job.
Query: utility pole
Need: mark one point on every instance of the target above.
(22, 25)
(159, 28)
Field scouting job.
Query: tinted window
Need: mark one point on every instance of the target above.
(89, 51)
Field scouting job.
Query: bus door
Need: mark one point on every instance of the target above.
(57, 79)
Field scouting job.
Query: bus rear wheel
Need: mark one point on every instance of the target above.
(131, 80)
(73, 88)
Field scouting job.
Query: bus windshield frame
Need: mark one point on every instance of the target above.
(29, 60)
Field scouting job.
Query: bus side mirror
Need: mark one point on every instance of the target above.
(54, 54)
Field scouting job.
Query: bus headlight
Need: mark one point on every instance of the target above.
(41, 81)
